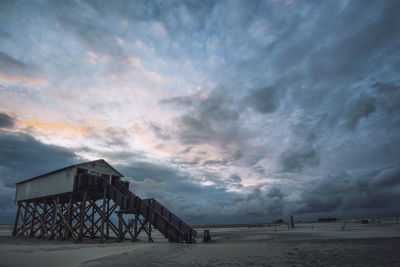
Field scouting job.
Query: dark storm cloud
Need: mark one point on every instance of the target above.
(22, 157)
(196, 203)
(265, 99)
(235, 181)
(195, 131)
(343, 195)
(261, 203)
(235, 178)
(6, 197)
(140, 170)
(159, 132)
(388, 98)
(6, 121)
(362, 107)
(217, 119)
(203, 204)
(346, 193)
(296, 159)
(275, 192)
(351, 53)
(177, 190)
(218, 106)
(210, 119)
(387, 87)
(388, 177)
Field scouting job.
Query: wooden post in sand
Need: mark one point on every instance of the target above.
(291, 219)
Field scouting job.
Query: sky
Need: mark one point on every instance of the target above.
(224, 111)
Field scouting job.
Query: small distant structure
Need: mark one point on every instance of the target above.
(364, 221)
(324, 220)
(78, 201)
(278, 221)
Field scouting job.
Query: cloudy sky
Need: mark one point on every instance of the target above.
(224, 111)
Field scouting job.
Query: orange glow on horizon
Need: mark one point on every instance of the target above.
(24, 79)
(51, 126)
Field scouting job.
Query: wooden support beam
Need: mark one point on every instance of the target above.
(64, 219)
(135, 227)
(92, 235)
(82, 219)
(107, 225)
(88, 218)
(46, 217)
(149, 233)
(113, 228)
(60, 224)
(14, 233)
(29, 218)
(25, 230)
(127, 230)
(103, 214)
(141, 226)
(144, 225)
(67, 231)
(53, 222)
(120, 237)
(42, 225)
(31, 234)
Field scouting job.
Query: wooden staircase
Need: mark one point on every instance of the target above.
(88, 212)
(152, 211)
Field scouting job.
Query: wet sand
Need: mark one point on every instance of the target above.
(318, 244)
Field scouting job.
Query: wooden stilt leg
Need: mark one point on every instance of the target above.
(67, 231)
(32, 233)
(119, 227)
(150, 239)
(45, 216)
(108, 217)
(25, 230)
(103, 215)
(82, 219)
(92, 220)
(42, 220)
(53, 220)
(135, 227)
(14, 233)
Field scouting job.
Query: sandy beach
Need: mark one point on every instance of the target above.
(317, 244)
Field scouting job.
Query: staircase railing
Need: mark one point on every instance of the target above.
(172, 218)
(159, 216)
